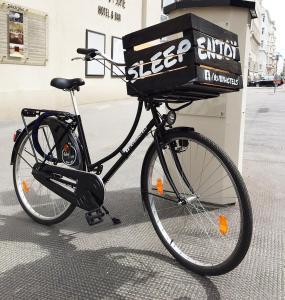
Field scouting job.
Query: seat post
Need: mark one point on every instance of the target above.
(74, 102)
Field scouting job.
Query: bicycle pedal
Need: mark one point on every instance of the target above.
(116, 221)
(94, 218)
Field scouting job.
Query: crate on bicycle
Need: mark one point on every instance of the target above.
(186, 58)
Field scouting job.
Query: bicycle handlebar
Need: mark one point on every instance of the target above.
(85, 51)
(92, 53)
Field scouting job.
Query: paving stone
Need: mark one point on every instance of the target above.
(74, 261)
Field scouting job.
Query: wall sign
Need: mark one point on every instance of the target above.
(117, 56)
(16, 34)
(23, 35)
(111, 14)
(97, 41)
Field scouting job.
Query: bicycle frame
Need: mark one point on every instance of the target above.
(158, 121)
(125, 154)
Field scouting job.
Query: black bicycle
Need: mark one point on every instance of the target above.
(195, 196)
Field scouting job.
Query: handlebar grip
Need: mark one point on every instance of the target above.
(85, 51)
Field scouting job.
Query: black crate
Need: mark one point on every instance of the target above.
(203, 63)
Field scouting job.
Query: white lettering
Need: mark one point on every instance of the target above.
(202, 53)
(141, 70)
(133, 72)
(169, 60)
(211, 47)
(211, 76)
(183, 47)
(207, 75)
(220, 45)
(228, 52)
(156, 67)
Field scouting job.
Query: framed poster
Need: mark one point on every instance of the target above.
(117, 56)
(97, 41)
(16, 34)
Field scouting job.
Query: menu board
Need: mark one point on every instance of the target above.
(23, 35)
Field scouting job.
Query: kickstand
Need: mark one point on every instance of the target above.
(114, 220)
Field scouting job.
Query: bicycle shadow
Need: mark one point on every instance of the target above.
(41, 262)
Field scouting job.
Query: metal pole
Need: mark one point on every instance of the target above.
(74, 103)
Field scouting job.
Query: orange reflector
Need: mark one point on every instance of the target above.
(25, 186)
(66, 148)
(224, 225)
(159, 186)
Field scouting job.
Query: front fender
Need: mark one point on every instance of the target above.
(18, 142)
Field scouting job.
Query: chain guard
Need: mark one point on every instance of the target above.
(86, 190)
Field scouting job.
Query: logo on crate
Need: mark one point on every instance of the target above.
(219, 78)
(161, 61)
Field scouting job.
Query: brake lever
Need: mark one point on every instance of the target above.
(77, 58)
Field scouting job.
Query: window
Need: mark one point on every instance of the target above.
(262, 30)
(261, 44)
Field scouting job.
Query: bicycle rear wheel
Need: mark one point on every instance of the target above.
(41, 204)
(208, 226)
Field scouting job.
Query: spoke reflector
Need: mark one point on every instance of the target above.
(25, 186)
(66, 148)
(224, 225)
(159, 186)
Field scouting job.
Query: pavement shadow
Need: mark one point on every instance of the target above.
(66, 270)
(123, 204)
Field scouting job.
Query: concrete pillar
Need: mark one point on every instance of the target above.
(222, 119)
(151, 12)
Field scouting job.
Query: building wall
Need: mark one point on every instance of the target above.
(28, 86)
(267, 60)
(255, 39)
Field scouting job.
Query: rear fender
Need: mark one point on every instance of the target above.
(18, 141)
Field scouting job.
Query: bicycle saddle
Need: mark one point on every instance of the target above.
(67, 84)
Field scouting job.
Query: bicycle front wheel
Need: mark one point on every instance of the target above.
(206, 224)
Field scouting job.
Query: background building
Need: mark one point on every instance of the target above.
(26, 85)
(267, 52)
(279, 63)
(255, 44)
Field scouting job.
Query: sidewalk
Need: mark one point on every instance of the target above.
(74, 261)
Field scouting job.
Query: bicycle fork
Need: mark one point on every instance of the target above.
(159, 147)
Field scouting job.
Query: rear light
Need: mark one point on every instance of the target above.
(16, 135)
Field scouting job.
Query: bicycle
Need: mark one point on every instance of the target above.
(196, 198)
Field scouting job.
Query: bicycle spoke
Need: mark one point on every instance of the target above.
(206, 232)
(39, 200)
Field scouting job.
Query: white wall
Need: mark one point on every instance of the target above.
(28, 86)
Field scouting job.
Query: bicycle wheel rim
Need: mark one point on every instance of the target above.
(37, 200)
(200, 251)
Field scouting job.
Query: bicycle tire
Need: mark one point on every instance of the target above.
(21, 196)
(245, 234)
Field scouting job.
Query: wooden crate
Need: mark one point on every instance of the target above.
(202, 63)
